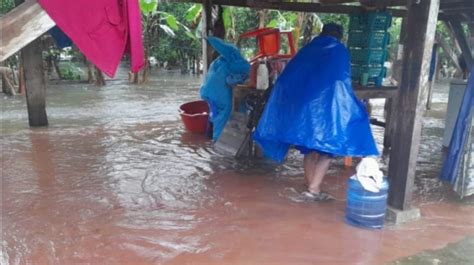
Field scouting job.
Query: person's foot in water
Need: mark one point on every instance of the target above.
(318, 197)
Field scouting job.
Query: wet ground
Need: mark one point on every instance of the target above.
(115, 179)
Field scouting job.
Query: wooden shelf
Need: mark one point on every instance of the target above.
(363, 92)
(367, 92)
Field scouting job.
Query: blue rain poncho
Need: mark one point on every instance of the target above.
(313, 107)
(228, 70)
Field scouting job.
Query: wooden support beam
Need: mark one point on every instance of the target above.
(375, 92)
(21, 26)
(206, 29)
(390, 106)
(462, 41)
(432, 77)
(406, 139)
(447, 50)
(297, 6)
(35, 83)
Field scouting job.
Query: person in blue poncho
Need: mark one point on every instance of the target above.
(313, 108)
(228, 70)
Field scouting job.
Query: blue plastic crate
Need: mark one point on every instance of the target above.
(376, 73)
(372, 70)
(368, 56)
(372, 21)
(370, 40)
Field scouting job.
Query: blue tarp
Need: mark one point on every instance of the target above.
(460, 134)
(312, 106)
(61, 39)
(228, 70)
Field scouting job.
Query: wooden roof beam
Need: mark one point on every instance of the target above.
(21, 26)
(461, 38)
(297, 6)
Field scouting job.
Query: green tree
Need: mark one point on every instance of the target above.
(6, 6)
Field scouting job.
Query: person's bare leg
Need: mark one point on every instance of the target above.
(320, 169)
(309, 164)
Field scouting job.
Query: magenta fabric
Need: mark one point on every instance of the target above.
(101, 30)
(135, 39)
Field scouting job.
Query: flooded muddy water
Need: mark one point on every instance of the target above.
(115, 179)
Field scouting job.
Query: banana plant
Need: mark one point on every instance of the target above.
(193, 16)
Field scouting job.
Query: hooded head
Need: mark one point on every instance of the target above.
(228, 51)
(333, 29)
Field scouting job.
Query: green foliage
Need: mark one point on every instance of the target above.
(171, 21)
(193, 13)
(283, 20)
(6, 6)
(394, 32)
(175, 43)
(70, 71)
(148, 6)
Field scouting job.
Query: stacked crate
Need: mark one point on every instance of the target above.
(368, 44)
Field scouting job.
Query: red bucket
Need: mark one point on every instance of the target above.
(195, 116)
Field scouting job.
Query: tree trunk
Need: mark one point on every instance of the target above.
(308, 28)
(21, 79)
(7, 85)
(145, 71)
(100, 80)
(54, 61)
(90, 71)
(262, 18)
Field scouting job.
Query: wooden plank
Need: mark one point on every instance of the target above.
(414, 81)
(21, 26)
(296, 6)
(375, 92)
(35, 83)
(462, 41)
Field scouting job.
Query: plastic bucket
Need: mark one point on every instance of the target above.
(195, 116)
(364, 208)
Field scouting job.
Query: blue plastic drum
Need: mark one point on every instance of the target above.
(364, 208)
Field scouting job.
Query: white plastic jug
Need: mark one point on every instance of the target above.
(262, 76)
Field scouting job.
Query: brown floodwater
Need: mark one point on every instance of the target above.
(115, 179)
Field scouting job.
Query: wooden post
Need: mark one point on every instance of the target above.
(390, 107)
(35, 84)
(432, 79)
(462, 41)
(206, 31)
(422, 17)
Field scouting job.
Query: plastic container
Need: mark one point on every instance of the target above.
(373, 21)
(373, 71)
(195, 116)
(368, 56)
(364, 208)
(367, 39)
(262, 76)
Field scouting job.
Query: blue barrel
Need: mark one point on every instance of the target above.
(364, 208)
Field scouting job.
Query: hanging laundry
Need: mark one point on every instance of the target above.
(228, 70)
(61, 39)
(103, 30)
(313, 107)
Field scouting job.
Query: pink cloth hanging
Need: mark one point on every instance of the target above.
(103, 30)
